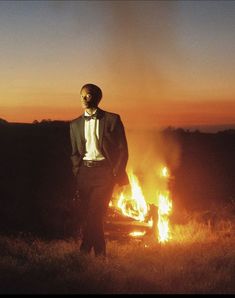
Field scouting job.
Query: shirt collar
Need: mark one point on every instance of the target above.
(86, 114)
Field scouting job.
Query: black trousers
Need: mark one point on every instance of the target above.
(95, 187)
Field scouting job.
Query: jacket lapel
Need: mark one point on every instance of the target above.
(101, 126)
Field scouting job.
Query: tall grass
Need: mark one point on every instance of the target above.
(199, 258)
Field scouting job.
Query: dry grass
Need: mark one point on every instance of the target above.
(200, 258)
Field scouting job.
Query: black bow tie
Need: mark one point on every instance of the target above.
(87, 118)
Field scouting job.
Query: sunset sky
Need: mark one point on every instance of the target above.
(159, 63)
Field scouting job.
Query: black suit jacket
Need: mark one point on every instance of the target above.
(112, 142)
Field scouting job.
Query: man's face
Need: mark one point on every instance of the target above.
(87, 99)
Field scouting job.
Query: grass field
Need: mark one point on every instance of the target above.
(199, 258)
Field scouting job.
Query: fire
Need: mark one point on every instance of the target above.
(164, 210)
(134, 205)
(165, 172)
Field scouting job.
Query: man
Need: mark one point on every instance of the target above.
(99, 158)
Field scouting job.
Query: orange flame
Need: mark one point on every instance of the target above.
(133, 205)
(164, 210)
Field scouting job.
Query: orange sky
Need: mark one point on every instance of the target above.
(176, 114)
(158, 63)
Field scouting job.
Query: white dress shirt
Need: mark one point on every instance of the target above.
(93, 151)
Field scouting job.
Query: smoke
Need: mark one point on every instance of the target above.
(124, 46)
(142, 44)
(149, 153)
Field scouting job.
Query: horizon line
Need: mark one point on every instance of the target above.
(208, 127)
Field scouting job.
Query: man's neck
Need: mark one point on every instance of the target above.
(91, 111)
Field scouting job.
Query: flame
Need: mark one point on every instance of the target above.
(133, 205)
(164, 210)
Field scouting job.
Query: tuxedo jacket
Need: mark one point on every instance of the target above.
(112, 143)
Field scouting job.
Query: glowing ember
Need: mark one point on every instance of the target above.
(165, 172)
(137, 233)
(133, 205)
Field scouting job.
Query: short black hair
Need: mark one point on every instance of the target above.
(94, 90)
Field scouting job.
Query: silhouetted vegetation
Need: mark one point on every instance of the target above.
(37, 185)
(205, 176)
(36, 182)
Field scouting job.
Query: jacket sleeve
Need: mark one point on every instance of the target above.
(75, 156)
(120, 167)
